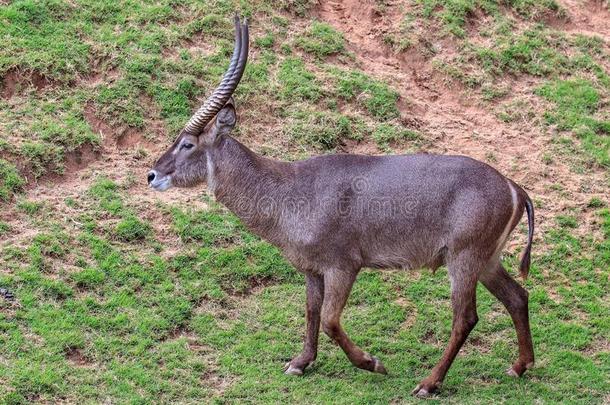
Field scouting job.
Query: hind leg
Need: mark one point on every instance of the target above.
(463, 275)
(514, 297)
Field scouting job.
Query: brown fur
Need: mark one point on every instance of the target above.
(335, 214)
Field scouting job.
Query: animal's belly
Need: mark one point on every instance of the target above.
(404, 256)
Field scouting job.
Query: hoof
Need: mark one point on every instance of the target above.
(519, 368)
(424, 390)
(420, 392)
(379, 367)
(292, 370)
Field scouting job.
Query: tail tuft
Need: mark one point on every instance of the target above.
(524, 268)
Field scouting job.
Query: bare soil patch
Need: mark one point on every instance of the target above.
(588, 17)
(130, 138)
(14, 80)
(439, 107)
(75, 356)
(97, 78)
(119, 137)
(80, 158)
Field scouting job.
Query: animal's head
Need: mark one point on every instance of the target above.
(184, 164)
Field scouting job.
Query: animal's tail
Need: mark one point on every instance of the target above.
(524, 268)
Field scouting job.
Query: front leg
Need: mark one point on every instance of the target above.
(315, 296)
(337, 286)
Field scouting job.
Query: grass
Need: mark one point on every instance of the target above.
(10, 180)
(298, 83)
(43, 132)
(131, 229)
(121, 300)
(376, 97)
(324, 130)
(97, 322)
(150, 61)
(577, 102)
(298, 7)
(150, 69)
(454, 14)
(321, 40)
(533, 52)
(386, 135)
(320, 126)
(571, 67)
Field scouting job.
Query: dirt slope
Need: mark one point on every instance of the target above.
(458, 122)
(455, 121)
(590, 17)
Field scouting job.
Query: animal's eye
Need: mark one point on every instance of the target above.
(187, 145)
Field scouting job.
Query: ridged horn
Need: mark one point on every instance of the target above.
(228, 84)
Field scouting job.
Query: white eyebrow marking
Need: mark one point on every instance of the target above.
(177, 148)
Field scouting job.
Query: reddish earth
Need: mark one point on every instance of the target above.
(80, 158)
(75, 356)
(440, 108)
(121, 137)
(14, 80)
(457, 122)
(590, 17)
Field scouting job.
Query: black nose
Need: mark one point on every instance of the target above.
(151, 177)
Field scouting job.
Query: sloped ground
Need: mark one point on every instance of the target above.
(125, 295)
(457, 118)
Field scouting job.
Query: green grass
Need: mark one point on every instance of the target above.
(125, 301)
(45, 44)
(131, 229)
(454, 14)
(386, 135)
(216, 321)
(321, 40)
(4, 228)
(324, 130)
(41, 132)
(128, 65)
(327, 130)
(298, 7)
(375, 96)
(535, 52)
(298, 83)
(576, 103)
(139, 62)
(522, 45)
(29, 207)
(105, 192)
(10, 180)
(596, 202)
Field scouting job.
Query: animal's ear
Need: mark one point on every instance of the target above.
(227, 117)
(223, 123)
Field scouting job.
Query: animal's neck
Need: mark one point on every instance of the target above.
(248, 184)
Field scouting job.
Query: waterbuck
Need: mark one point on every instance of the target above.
(333, 215)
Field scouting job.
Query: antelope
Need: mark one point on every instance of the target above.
(333, 215)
